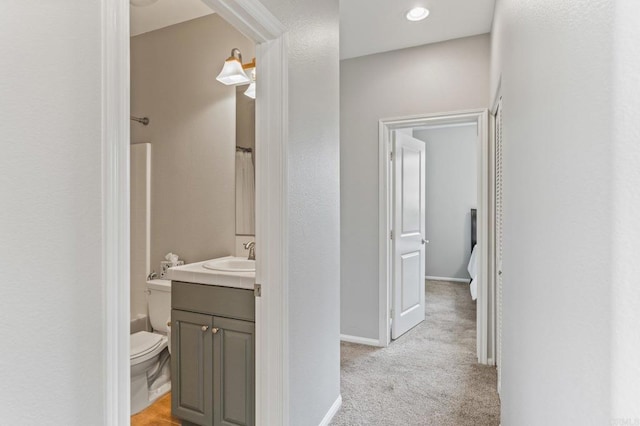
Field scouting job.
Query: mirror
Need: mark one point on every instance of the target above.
(245, 162)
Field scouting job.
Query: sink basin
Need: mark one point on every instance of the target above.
(231, 264)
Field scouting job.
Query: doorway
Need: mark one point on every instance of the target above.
(389, 263)
(258, 24)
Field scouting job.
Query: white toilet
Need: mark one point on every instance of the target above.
(150, 363)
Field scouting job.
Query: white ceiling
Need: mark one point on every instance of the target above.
(373, 26)
(164, 13)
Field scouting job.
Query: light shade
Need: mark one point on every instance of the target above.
(251, 90)
(232, 73)
(417, 14)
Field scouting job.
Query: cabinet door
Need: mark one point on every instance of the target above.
(192, 367)
(233, 372)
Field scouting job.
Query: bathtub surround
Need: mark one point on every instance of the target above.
(451, 192)
(455, 77)
(192, 132)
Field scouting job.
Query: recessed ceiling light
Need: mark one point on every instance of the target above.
(417, 14)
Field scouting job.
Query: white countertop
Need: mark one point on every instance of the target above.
(196, 273)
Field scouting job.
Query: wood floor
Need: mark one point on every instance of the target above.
(158, 414)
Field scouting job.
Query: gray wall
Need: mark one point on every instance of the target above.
(52, 326)
(555, 63)
(451, 191)
(448, 76)
(192, 133)
(139, 226)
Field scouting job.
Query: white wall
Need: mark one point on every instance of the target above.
(193, 134)
(314, 205)
(441, 77)
(451, 193)
(566, 211)
(625, 339)
(50, 220)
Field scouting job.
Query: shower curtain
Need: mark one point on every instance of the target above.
(245, 194)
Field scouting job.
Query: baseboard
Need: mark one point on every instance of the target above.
(359, 340)
(332, 412)
(456, 280)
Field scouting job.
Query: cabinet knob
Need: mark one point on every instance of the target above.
(214, 330)
(205, 327)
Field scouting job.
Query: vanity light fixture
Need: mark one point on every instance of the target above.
(417, 14)
(232, 72)
(251, 90)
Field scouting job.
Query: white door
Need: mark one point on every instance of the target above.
(408, 240)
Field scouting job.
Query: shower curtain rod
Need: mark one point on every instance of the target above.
(143, 120)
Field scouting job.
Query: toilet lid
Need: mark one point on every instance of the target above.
(144, 342)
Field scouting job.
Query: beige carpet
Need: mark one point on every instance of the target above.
(427, 377)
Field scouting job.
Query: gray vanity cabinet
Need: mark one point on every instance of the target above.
(213, 355)
(233, 372)
(192, 367)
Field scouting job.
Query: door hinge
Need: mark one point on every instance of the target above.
(257, 290)
(391, 235)
(391, 156)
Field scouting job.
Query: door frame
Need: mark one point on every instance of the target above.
(272, 348)
(480, 117)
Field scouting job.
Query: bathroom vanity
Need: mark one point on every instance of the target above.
(212, 346)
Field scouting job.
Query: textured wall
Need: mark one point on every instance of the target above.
(442, 77)
(625, 349)
(555, 62)
(192, 133)
(451, 192)
(314, 205)
(50, 219)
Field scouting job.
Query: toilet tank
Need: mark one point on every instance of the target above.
(159, 301)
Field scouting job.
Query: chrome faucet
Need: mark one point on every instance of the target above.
(251, 246)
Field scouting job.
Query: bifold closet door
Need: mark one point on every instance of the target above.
(498, 239)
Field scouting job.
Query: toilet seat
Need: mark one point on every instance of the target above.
(145, 345)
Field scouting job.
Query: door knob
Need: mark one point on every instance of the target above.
(214, 330)
(204, 327)
(425, 241)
